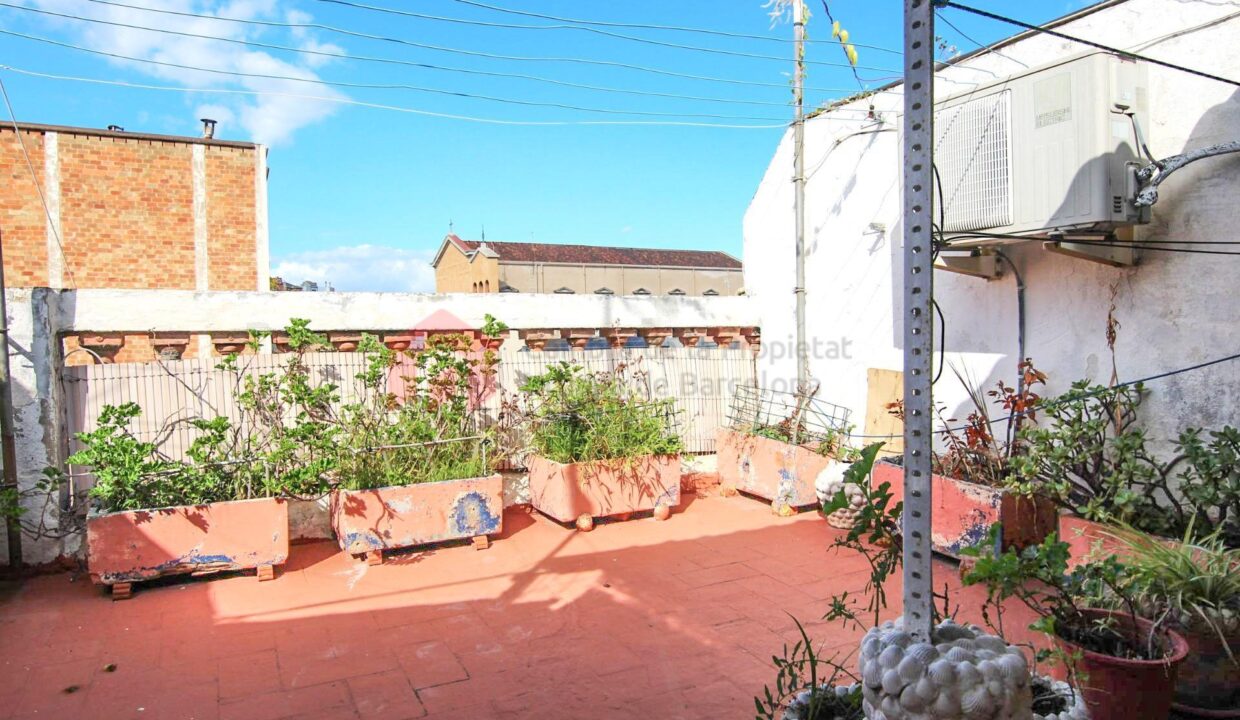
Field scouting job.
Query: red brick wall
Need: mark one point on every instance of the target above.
(127, 213)
(231, 249)
(22, 218)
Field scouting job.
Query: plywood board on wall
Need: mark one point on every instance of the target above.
(883, 388)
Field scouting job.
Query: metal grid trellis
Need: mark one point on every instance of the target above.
(803, 418)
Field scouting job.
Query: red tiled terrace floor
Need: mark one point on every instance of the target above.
(642, 619)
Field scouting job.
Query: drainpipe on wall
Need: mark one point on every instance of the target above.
(12, 523)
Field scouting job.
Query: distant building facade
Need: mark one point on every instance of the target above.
(132, 210)
(482, 266)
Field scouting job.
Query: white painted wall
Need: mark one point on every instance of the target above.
(175, 310)
(1175, 309)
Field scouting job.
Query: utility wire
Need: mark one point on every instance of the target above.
(34, 178)
(394, 61)
(1090, 43)
(1069, 397)
(645, 26)
(394, 86)
(607, 33)
(983, 46)
(394, 108)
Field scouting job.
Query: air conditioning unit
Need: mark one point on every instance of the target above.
(1054, 148)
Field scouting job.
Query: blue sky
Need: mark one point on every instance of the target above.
(361, 197)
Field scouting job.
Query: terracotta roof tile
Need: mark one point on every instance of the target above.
(597, 255)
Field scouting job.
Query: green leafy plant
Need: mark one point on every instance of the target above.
(491, 327)
(804, 678)
(578, 416)
(1038, 577)
(1206, 496)
(427, 434)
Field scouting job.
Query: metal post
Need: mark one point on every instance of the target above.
(918, 318)
(798, 180)
(12, 524)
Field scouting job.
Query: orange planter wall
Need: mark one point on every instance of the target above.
(963, 512)
(603, 488)
(770, 469)
(135, 545)
(408, 515)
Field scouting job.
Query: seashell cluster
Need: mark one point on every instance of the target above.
(829, 482)
(963, 674)
(1075, 710)
(798, 709)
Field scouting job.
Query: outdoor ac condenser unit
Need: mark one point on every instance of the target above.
(1054, 148)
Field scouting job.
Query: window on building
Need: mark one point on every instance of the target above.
(565, 291)
(711, 293)
(488, 286)
(604, 291)
(676, 291)
(641, 291)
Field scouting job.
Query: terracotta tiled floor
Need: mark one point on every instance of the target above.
(643, 619)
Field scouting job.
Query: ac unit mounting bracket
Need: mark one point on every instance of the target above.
(1094, 250)
(979, 263)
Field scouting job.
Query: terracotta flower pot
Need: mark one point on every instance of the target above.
(1209, 680)
(773, 470)
(1117, 688)
(134, 545)
(964, 512)
(579, 492)
(367, 522)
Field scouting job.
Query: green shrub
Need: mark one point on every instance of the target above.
(579, 416)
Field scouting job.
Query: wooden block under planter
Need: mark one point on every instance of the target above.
(963, 512)
(603, 488)
(401, 516)
(134, 545)
(773, 470)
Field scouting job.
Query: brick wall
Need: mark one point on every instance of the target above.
(22, 220)
(127, 211)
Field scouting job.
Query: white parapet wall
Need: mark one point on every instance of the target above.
(176, 311)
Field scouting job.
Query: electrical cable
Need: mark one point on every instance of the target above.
(942, 340)
(1110, 243)
(644, 26)
(984, 47)
(34, 178)
(605, 33)
(393, 108)
(1071, 397)
(1090, 43)
(394, 61)
(394, 86)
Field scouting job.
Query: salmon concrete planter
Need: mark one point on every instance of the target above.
(581, 492)
(777, 471)
(1123, 689)
(367, 522)
(963, 512)
(1090, 540)
(134, 545)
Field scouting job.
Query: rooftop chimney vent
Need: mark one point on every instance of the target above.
(208, 128)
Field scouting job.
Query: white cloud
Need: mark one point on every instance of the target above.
(361, 268)
(269, 119)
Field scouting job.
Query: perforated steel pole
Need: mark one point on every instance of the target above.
(798, 179)
(918, 330)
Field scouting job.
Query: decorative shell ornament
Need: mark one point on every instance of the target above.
(799, 708)
(828, 484)
(945, 679)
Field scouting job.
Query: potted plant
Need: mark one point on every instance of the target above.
(1093, 461)
(1125, 665)
(776, 446)
(414, 470)
(599, 448)
(1194, 587)
(972, 470)
(151, 516)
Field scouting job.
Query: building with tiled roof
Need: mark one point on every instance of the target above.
(486, 266)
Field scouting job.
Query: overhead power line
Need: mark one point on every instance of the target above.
(384, 86)
(647, 26)
(380, 106)
(410, 43)
(606, 33)
(1090, 43)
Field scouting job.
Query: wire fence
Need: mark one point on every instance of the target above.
(798, 417)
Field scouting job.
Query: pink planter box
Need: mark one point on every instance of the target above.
(963, 512)
(1088, 540)
(603, 488)
(133, 545)
(773, 470)
(369, 521)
